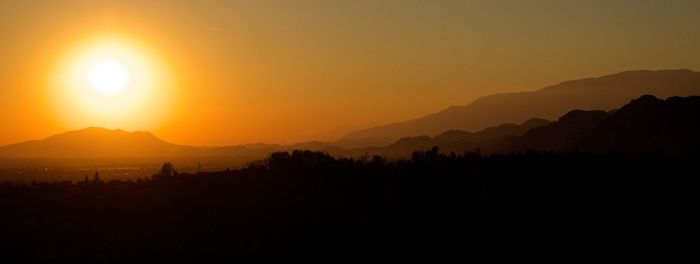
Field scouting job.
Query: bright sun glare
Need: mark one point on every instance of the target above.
(109, 77)
(111, 82)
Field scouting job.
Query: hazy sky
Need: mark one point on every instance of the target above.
(287, 71)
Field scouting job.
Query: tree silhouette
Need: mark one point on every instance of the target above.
(305, 202)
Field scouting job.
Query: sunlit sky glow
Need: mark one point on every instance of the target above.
(110, 82)
(229, 72)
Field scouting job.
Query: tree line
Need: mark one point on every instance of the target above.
(306, 202)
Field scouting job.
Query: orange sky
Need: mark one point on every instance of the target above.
(233, 72)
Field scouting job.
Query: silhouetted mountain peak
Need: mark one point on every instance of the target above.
(649, 124)
(649, 106)
(92, 142)
(646, 99)
(535, 122)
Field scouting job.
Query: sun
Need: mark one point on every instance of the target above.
(112, 82)
(109, 77)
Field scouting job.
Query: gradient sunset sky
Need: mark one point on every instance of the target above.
(231, 72)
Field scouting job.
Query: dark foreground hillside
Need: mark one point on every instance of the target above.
(311, 203)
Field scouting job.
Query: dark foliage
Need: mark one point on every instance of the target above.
(311, 203)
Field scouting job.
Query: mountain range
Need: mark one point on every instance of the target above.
(450, 141)
(601, 93)
(645, 124)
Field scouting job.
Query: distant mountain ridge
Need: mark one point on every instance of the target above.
(92, 142)
(649, 125)
(96, 142)
(449, 141)
(645, 125)
(560, 135)
(602, 93)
